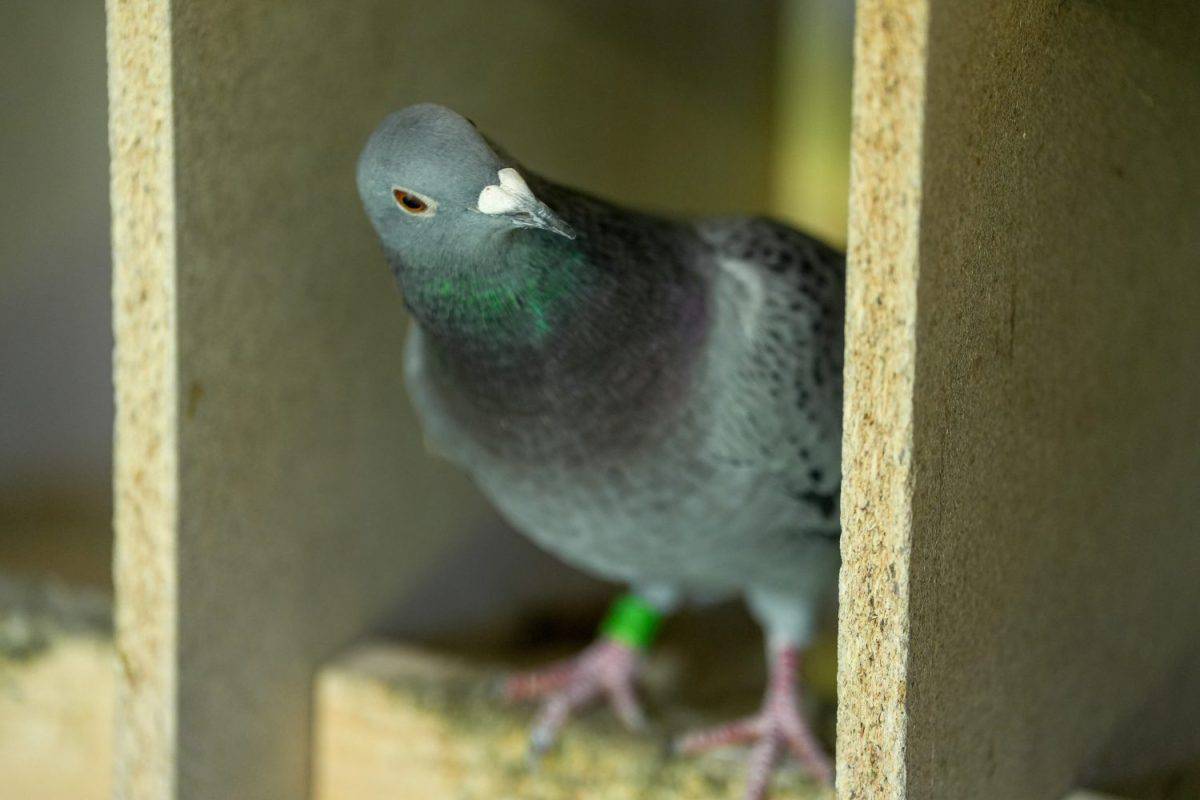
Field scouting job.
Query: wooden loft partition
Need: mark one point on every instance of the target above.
(1020, 596)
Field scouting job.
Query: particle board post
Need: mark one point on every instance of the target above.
(273, 498)
(1022, 487)
(885, 197)
(145, 460)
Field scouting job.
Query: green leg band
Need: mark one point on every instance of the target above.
(632, 621)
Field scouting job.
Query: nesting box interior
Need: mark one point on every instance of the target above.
(1020, 488)
(274, 499)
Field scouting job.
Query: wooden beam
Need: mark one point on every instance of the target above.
(145, 461)
(1022, 483)
(885, 202)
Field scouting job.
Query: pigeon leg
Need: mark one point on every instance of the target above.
(607, 669)
(778, 726)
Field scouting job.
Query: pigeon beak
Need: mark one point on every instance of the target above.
(540, 216)
(510, 197)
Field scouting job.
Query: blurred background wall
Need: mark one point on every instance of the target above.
(810, 173)
(55, 337)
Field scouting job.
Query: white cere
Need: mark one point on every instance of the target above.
(511, 195)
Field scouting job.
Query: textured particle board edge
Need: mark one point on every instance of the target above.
(145, 457)
(889, 85)
(57, 687)
(394, 721)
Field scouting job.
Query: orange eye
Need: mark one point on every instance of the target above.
(410, 202)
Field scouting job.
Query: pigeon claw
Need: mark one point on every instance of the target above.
(605, 670)
(778, 729)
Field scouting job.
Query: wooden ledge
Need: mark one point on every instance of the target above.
(395, 721)
(57, 693)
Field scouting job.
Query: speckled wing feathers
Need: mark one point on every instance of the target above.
(782, 412)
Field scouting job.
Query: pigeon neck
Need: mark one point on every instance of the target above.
(553, 323)
(505, 304)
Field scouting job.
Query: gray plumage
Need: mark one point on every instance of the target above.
(656, 401)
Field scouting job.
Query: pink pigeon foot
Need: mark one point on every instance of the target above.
(606, 668)
(779, 726)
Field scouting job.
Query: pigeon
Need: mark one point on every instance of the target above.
(655, 400)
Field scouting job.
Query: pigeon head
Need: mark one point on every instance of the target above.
(429, 181)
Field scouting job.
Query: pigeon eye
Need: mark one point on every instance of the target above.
(411, 202)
